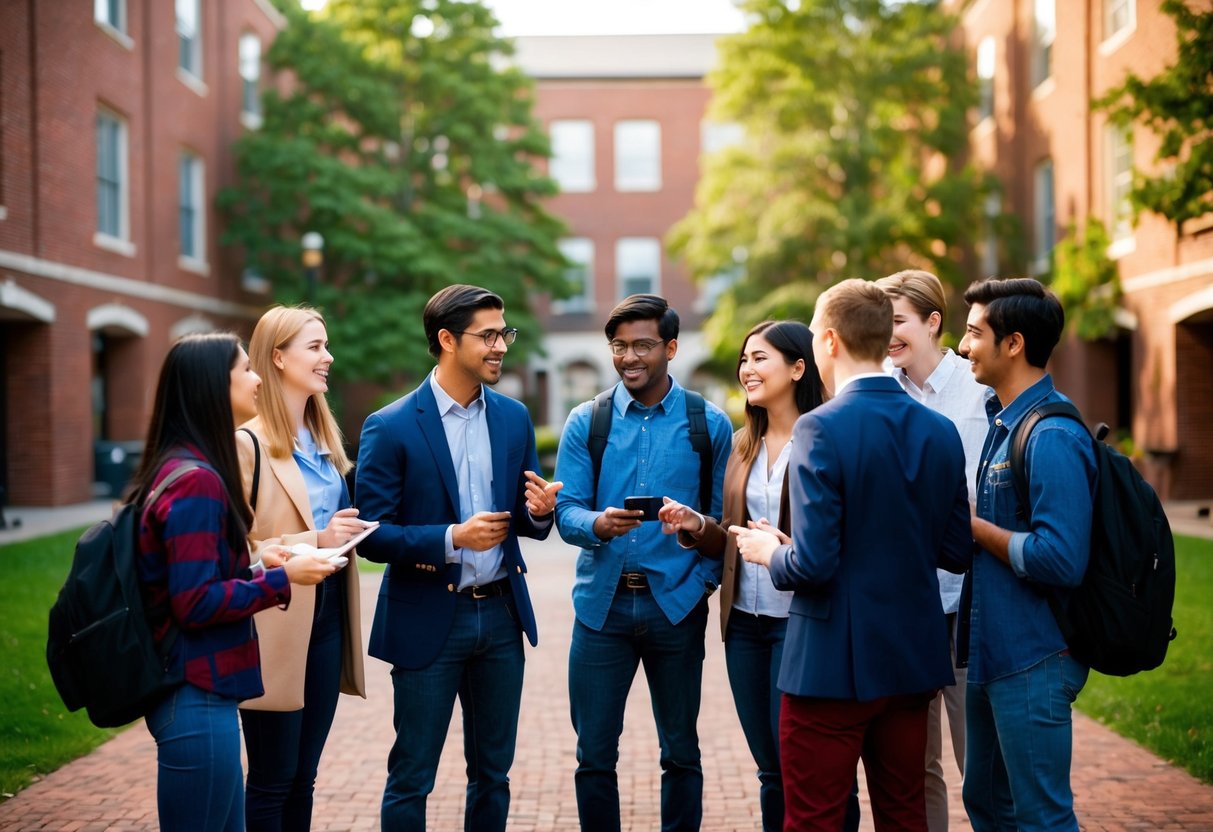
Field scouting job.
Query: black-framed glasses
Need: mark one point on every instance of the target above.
(639, 348)
(490, 336)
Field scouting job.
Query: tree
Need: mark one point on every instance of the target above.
(855, 117)
(1086, 281)
(396, 130)
(1177, 104)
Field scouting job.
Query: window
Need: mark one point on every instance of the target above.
(1044, 217)
(1044, 31)
(638, 265)
(112, 13)
(1119, 167)
(112, 180)
(250, 78)
(190, 208)
(715, 135)
(580, 276)
(1118, 16)
(989, 250)
(572, 164)
(985, 78)
(637, 156)
(189, 36)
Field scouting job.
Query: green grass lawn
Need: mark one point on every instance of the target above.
(1170, 710)
(37, 734)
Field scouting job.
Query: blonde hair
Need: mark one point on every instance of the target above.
(275, 331)
(862, 315)
(922, 290)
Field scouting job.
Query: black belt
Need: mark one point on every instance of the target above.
(494, 590)
(635, 581)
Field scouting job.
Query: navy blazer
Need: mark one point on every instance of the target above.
(406, 481)
(878, 500)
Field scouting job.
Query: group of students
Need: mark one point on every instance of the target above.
(842, 517)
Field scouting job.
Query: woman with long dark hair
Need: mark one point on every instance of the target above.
(200, 588)
(775, 368)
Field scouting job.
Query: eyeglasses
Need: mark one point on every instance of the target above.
(639, 348)
(490, 336)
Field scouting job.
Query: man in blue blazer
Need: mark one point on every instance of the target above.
(449, 471)
(878, 500)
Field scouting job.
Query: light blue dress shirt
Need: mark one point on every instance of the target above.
(756, 592)
(467, 436)
(325, 486)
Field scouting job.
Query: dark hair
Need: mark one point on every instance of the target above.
(795, 343)
(1023, 305)
(193, 412)
(453, 308)
(862, 315)
(644, 308)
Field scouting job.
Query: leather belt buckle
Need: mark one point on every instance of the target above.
(634, 580)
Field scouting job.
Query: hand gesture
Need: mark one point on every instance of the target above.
(483, 530)
(614, 522)
(343, 525)
(308, 569)
(675, 517)
(273, 554)
(540, 495)
(765, 525)
(755, 545)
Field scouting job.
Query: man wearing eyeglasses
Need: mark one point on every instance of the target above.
(451, 474)
(639, 597)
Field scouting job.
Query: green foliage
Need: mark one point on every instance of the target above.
(37, 734)
(1177, 105)
(1087, 281)
(394, 128)
(854, 114)
(1169, 710)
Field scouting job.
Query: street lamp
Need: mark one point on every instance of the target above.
(313, 257)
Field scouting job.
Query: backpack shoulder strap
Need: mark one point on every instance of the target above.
(600, 431)
(701, 442)
(256, 468)
(174, 475)
(1019, 445)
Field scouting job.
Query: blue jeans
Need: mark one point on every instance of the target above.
(198, 783)
(602, 665)
(482, 663)
(284, 746)
(1018, 745)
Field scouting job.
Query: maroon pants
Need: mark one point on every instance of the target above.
(822, 740)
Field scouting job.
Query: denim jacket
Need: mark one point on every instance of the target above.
(1006, 625)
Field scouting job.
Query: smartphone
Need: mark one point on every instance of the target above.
(649, 505)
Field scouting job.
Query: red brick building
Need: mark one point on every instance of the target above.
(117, 119)
(626, 116)
(1040, 64)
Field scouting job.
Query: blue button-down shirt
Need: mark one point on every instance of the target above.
(325, 487)
(467, 436)
(1010, 627)
(648, 452)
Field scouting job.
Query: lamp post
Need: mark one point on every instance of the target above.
(313, 257)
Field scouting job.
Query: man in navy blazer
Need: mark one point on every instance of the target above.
(449, 471)
(878, 500)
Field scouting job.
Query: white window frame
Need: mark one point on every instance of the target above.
(629, 250)
(191, 169)
(1044, 35)
(249, 52)
(114, 238)
(1044, 215)
(1114, 37)
(110, 17)
(192, 65)
(578, 250)
(638, 155)
(572, 162)
(1118, 179)
(987, 58)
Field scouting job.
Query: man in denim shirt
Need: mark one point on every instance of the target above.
(638, 595)
(1022, 679)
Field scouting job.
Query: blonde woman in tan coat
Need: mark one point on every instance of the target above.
(293, 465)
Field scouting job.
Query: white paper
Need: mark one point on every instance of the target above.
(333, 553)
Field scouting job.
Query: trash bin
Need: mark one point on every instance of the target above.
(114, 464)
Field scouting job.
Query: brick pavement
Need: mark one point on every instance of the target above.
(1118, 786)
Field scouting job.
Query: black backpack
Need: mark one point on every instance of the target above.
(100, 648)
(1118, 620)
(701, 441)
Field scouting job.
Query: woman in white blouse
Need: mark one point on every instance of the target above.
(776, 369)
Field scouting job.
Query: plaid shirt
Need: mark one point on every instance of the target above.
(188, 566)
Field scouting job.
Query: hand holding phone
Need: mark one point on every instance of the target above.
(649, 505)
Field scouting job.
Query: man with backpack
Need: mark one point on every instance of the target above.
(1022, 678)
(638, 595)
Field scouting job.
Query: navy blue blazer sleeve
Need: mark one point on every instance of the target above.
(814, 483)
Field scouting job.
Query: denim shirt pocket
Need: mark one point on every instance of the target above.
(1000, 497)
